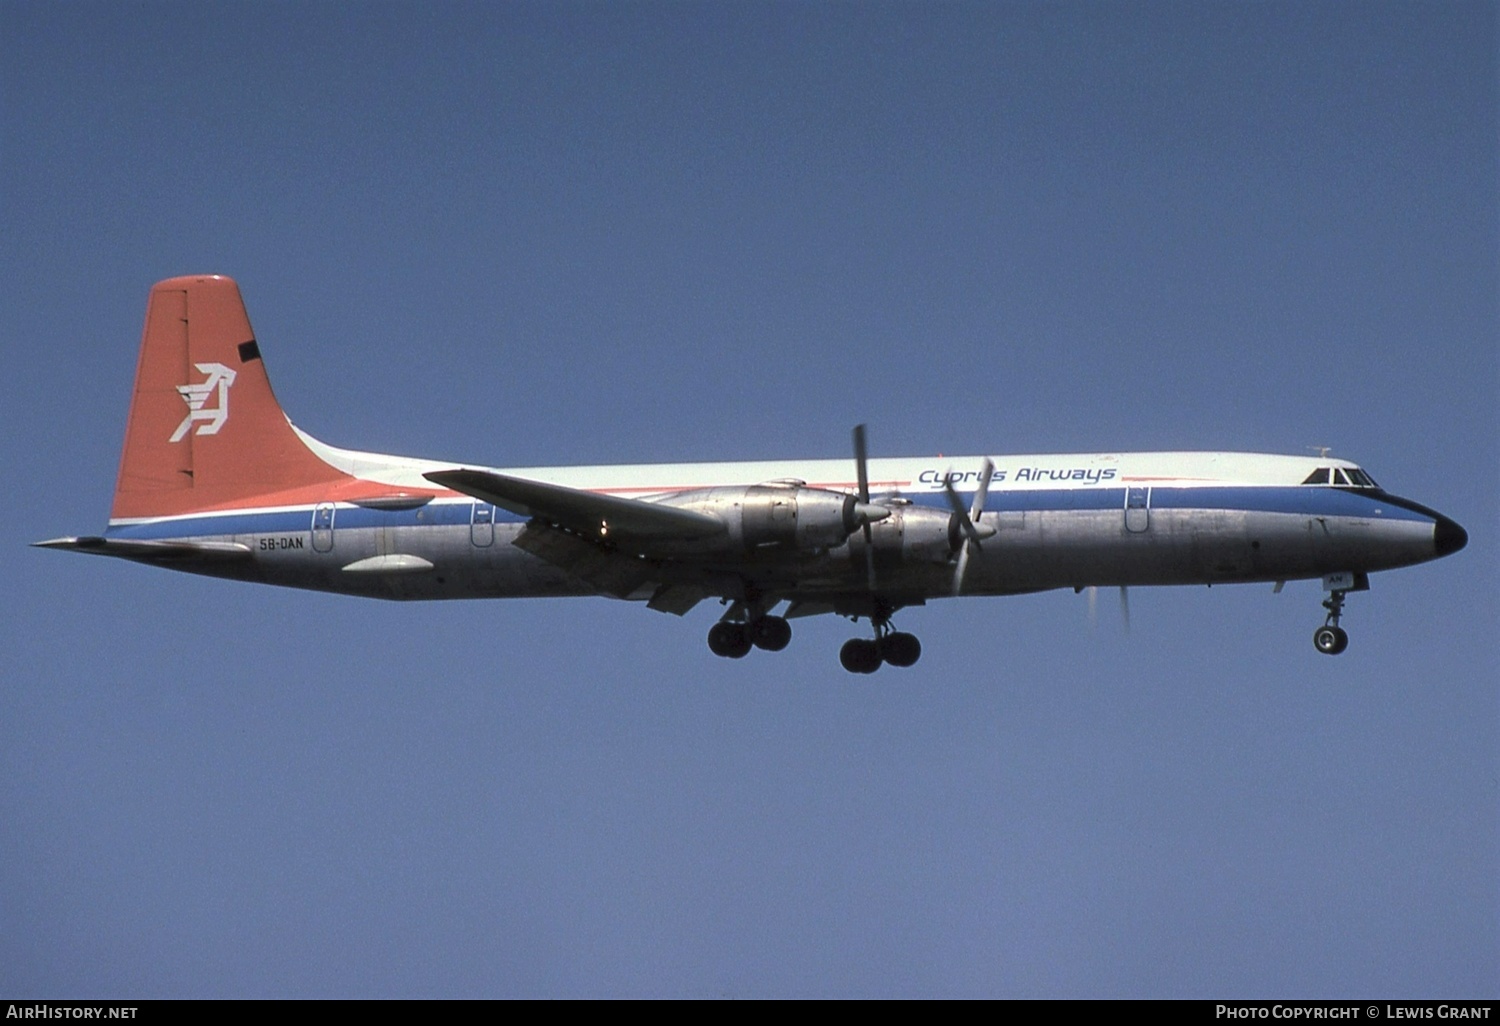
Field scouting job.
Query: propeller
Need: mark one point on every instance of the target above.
(861, 464)
(1094, 607)
(968, 519)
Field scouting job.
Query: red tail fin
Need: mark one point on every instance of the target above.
(205, 431)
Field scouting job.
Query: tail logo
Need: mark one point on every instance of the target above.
(197, 396)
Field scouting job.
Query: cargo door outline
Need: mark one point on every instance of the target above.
(482, 525)
(322, 527)
(1137, 510)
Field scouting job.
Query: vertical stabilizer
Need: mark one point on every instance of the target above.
(205, 431)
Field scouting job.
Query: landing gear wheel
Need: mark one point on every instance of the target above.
(771, 633)
(900, 649)
(860, 656)
(730, 640)
(1330, 640)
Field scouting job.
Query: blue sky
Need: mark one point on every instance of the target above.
(583, 233)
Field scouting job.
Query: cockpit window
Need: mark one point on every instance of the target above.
(1345, 476)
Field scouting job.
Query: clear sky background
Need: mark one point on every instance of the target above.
(585, 233)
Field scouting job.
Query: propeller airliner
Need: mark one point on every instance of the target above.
(214, 479)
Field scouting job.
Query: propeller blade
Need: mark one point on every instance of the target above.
(982, 492)
(1093, 591)
(861, 466)
(861, 461)
(969, 520)
(951, 495)
(958, 509)
(960, 570)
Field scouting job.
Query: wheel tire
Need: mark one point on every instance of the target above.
(901, 649)
(860, 656)
(1343, 641)
(1330, 640)
(729, 640)
(771, 633)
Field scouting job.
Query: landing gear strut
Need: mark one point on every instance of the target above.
(861, 655)
(1331, 639)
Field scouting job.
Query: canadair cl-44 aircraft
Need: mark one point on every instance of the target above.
(215, 480)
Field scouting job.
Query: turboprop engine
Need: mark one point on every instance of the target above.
(784, 515)
(916, 534)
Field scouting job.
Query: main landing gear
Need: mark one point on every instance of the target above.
(733, 640)
(1331, 639)
(861, 655)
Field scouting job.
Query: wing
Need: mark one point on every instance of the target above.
(590, 514)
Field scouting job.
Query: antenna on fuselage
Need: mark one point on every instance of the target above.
(1321, 450)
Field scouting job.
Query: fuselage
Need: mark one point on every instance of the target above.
(214, 479)
(1099, 519)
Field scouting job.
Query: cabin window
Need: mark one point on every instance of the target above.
(1338, 476)
(1361, 479)
(1319, 476)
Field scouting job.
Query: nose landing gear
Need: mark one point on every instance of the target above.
(1331, 639)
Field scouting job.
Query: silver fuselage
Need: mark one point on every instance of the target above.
(1058, 521)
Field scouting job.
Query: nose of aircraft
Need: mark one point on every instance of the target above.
(1447, 536)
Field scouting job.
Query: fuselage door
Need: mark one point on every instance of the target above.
(482, 525)
(1137, 509)
(322, 527)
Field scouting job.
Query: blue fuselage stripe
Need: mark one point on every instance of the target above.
(1312, 501)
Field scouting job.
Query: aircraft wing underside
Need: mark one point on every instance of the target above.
(673, 586)
(610, 571)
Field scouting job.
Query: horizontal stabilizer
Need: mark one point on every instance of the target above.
(605, 517)
(152, 551)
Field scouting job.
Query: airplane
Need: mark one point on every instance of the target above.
(214, 479)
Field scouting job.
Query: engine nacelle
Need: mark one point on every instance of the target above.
(913, 534)
(799, 518)
(788, 516)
